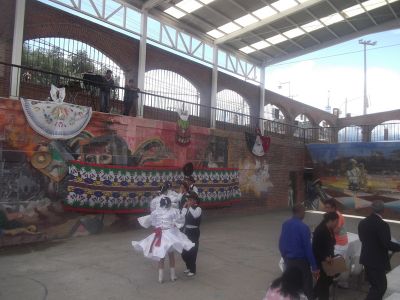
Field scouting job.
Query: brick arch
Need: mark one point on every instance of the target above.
(288, 116)
(309, 117)
(43, 25)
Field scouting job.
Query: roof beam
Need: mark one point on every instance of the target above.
(149, 4)
(391, 9)
(394, 24)
(340, 13)
(266, 21)
(367, 12)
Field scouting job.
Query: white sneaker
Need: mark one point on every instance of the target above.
(186, 271)
(160, 276)
(190, 274)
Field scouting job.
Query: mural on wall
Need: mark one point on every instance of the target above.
(94, 170)
(357, 173)
(254, 176)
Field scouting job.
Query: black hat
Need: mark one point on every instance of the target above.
(193, 195)
(165, 202)
(166, 186)
(188, 169)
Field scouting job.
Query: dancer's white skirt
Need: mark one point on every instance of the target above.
(171, 239)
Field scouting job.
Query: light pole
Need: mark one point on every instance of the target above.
(365, 43)
(288, 83)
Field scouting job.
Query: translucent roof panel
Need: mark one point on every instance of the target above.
(260, 45)
(247, 49)
(372, 4)
(246, 20)
(295, 32)
(176, 13)
(229, 27)
(283, 5)
(332, 19)
(312, 26)
(354, 10)
(215, 33)
(189, 5)
(279, 38)
(264, 12)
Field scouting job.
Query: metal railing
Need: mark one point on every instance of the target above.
(85, 92)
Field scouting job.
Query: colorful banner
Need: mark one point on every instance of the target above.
(119, 189)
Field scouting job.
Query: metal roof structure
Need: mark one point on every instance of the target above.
(271, 31)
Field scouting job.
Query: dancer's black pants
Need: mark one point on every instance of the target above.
(190, 257)
(377, 279)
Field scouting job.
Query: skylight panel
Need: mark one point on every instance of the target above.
(205, 2)
(189, 5)
(279, 38)
(260, 45)
(332, 19)
(372, 4)
(295, 32)
(312, 26)
(283, 5)
(264, 12)
(176, 13)
(246, 20)
(354, 10)
(303, 1)
(215, 33)
(229, 27)
(247, 49)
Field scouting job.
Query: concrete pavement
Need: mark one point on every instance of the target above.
(238, 258)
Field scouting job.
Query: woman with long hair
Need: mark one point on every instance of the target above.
(323, 245)
(287, 287)
(166, 237)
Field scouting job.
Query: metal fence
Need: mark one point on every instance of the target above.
(86, 92)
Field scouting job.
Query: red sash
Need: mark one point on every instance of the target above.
(157, 238)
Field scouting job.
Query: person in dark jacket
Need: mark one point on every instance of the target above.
(192, 213)
(130, 98)
(323, 245)
(105, 89)
(376, 241)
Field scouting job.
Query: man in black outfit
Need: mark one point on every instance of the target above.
(192, 213)
(376, 242)
(105, 89)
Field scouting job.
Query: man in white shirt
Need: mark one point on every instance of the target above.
(192, 213)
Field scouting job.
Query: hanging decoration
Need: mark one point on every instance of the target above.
(182, 127)
(56, 119)
(120, 189)
(257, 144)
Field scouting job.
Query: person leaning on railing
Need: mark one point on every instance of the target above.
(130, 98)
(105, 89)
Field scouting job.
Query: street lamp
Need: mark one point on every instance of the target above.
(288, 83)
(365, 43)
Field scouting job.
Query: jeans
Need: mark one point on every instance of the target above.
(105, 101)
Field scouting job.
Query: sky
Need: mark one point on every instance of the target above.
(314, 78)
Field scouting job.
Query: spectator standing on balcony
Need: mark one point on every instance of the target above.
(130, 98)
(295, 248)
(105, 90)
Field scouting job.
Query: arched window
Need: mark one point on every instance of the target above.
(387, 131)
(171, 91)
(276, 119)
(325, 132)
(232, 108)
(66, 57)
(303, 123)
(350, 134)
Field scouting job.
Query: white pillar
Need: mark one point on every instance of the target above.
(262, 98)
(142, 62)
(214, 87)
(18, 39)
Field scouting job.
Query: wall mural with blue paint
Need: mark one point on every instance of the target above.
(355, 174)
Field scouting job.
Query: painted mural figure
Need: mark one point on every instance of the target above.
(353, 175)
(166, 237)
(363, 176)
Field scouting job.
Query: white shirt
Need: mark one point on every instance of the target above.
(166, 218)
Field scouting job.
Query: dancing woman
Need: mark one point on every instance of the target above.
(166, 237)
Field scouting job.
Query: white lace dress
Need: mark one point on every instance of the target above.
(166, 236)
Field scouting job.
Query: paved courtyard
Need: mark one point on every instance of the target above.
(238, 258)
